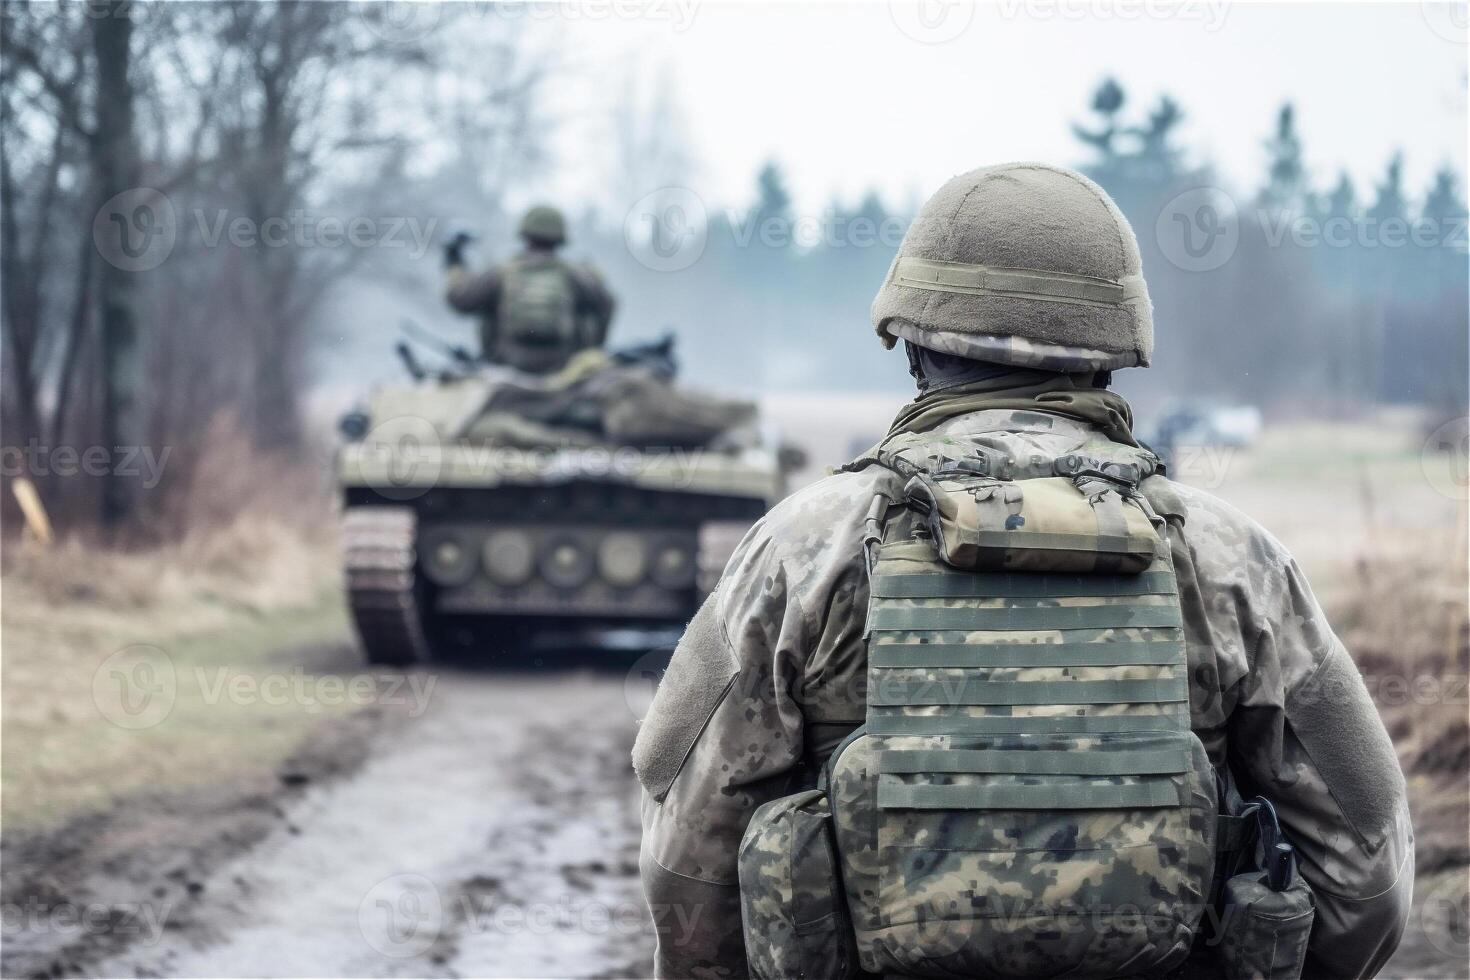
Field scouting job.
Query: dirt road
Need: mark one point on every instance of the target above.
(490, 830)
(484, 826)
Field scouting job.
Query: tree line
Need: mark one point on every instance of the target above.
(195, 197)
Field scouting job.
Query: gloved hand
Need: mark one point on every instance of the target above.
(455, 246)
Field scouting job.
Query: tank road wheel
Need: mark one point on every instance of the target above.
(382, 586)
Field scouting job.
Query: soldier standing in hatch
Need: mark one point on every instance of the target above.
(992, 295)
(537, 309)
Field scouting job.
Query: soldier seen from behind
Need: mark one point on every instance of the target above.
(536, 310)
(999, 699)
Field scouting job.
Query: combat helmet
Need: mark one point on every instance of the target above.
(1023, 264)
(544, 225)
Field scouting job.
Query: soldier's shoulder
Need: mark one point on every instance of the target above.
(820, 507)
(1214, 528)
(806, 543)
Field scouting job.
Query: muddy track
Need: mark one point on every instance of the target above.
(107, 882)
(493, 833)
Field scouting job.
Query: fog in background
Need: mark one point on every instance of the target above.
(286, 172)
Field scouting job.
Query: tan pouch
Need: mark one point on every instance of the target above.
(1045, 524)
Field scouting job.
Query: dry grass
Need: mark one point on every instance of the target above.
(254, 573)
(1385, 548)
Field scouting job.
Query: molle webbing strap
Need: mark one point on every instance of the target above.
(981, 691)
(887, 616)
(1066, 654)
(888, 721)
(1040, 762)
(985, 585)
(1040, 796)
(956, 655)
(982, 280)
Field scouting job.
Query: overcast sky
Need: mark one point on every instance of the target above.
(901, 97)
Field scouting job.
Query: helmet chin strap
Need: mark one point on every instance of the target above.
(934, 371)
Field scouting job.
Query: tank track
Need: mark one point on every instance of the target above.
(378, 555)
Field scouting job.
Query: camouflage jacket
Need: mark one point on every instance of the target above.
(769, 676)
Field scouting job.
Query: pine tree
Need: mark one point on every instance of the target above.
(1157, 159)
(1444, 208)
(1286, 182)
(772, 198)
(1390, 202)
(1107, 102)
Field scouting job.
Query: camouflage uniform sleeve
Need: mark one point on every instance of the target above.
(472, 292)
(1302, 730)
(777, 646)
(723, 736)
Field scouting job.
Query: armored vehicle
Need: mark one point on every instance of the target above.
(481, 503)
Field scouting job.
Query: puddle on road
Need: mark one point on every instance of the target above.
(495, 836)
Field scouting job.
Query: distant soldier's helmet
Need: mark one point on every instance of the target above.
(544, 226)
(1022, 264)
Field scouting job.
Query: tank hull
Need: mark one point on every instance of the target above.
(450, 545)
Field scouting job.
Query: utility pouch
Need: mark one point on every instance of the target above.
(792, 903)
(1047, 524)
(1267, 913)
(1265, 931)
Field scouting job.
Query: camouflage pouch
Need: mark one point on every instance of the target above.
(1028, 798)
(1265, 931)
(1052, 524)
(794, 912)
